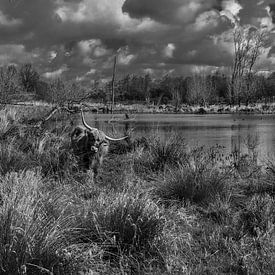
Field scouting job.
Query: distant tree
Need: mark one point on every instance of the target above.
(42, 91)
(28, 78)
(178, 90)
(220, 82)
(60, 93)
(8, 84)
(270, 87)
(133, 88)
(147, 86)
(166, 88)
(201, 89)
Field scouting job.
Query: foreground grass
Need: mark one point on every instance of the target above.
(157, 208)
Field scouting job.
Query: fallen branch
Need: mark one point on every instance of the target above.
(51, 113)
(48, 116)
(40, 268)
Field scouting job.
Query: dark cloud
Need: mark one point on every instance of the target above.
(272, 12)
(253, 10)
(169, 12)
(78, 38)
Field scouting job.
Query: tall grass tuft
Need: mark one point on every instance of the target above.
(54, 156)
(183, 184)
(161, 153)
(123, 224)
(35, 228)
(198, 180)
(49, 152)
(8, 117)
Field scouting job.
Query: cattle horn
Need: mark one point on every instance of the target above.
(84, 122)
(115, 139)
(92, 129)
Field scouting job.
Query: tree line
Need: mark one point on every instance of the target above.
(23, 83)
(244, 85)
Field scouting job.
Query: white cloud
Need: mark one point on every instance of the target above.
(231, 9)
(57, 73)
(14, 53)
(232, 6)
(52, 55)
(79, 78)
(87, 46)
(224, 41)
(93, 11)
(93, 47)
(7, 22)
(101, 51)
(192, 53)
(91, 71)
(125, 59)
(208, 19)
(148, 71)
(186, 12)
(203, 69)
(169, 50)
(124, 56)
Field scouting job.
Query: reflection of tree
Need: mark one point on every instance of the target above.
(252, 141)
(236, 145)
(244, 154)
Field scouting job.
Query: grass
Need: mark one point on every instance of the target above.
(160, 154)
(157, 208)
(182, 184)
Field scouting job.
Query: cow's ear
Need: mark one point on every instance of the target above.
(76, 132)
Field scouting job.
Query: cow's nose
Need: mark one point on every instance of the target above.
(94, 149)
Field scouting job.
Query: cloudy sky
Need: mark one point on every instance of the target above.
(77, 39)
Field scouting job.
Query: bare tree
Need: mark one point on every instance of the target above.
(8, 83)
(200, 89)
(248, 45)
(147, 84)
(28, 78)
(61, 93)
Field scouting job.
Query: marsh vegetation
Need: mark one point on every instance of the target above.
(157, 207)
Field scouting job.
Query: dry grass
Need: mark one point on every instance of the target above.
(56, 220)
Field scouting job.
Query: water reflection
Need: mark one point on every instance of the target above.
(233, 132)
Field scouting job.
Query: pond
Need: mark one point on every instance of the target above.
(232, 131)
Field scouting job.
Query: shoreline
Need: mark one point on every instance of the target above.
(100, 108)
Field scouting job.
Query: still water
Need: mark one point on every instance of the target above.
(231, 131)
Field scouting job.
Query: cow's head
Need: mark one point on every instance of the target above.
(90, 145)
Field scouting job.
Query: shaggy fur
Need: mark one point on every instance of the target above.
(90, 147)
